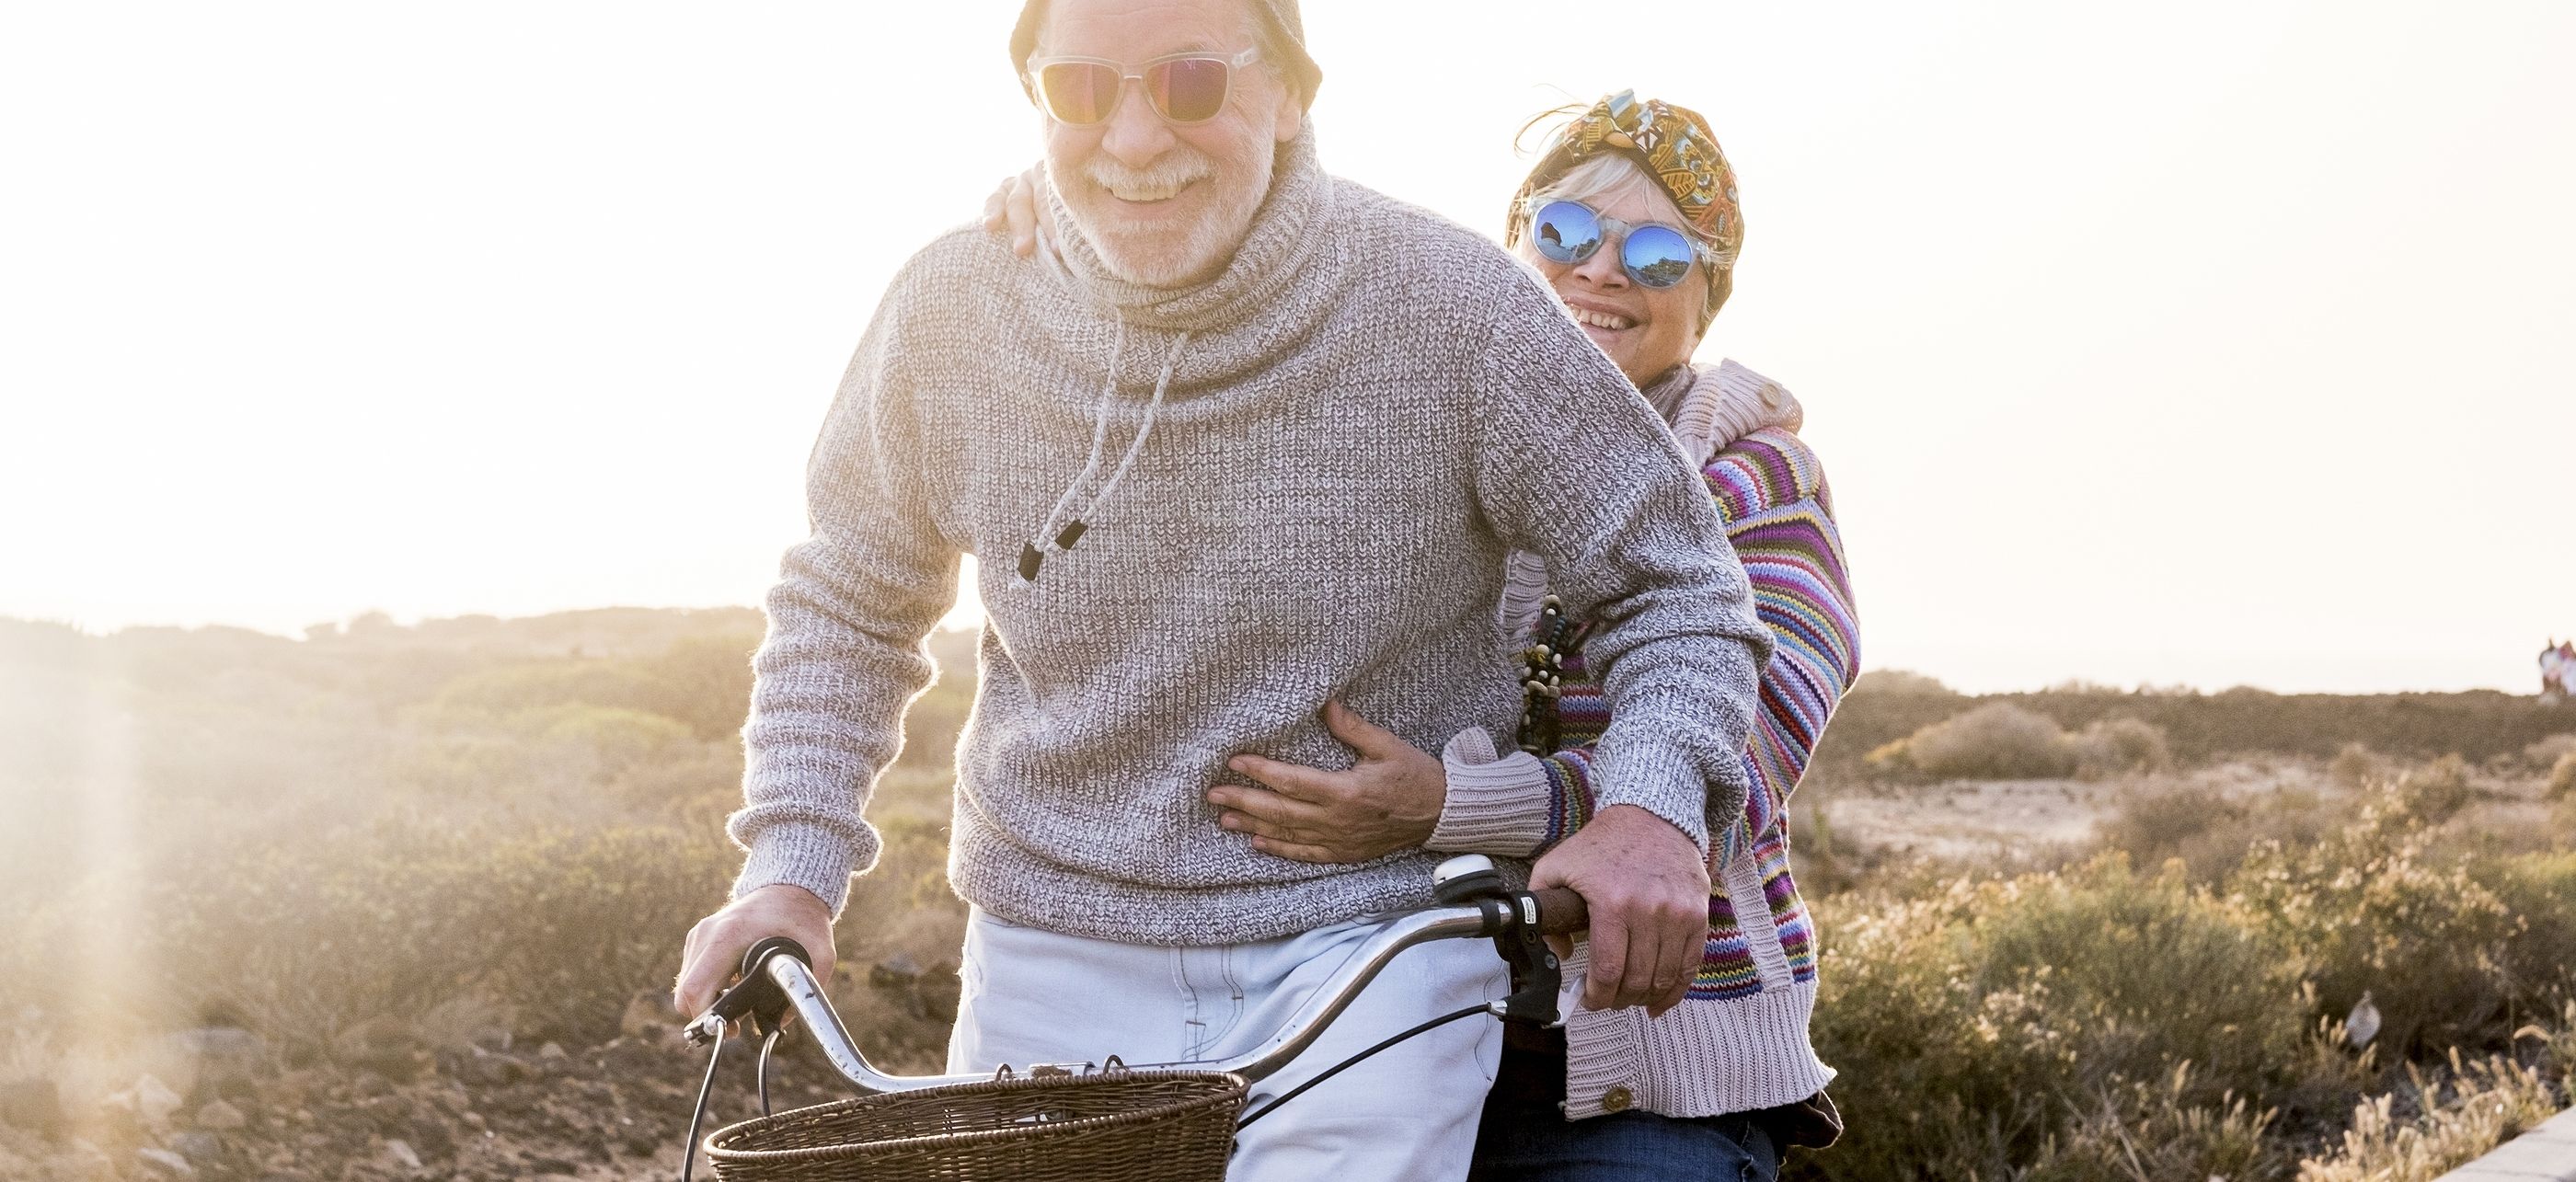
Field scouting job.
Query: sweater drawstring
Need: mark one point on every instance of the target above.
(1051, 539)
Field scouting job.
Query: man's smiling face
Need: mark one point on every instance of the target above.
(1166, 204)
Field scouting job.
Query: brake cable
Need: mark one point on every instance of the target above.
(1353, 1061)
(1536, 972)
(759, 1003)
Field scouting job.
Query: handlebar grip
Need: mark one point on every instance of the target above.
(752, 956)
(1560, 911)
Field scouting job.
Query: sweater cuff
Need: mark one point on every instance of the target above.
(1493, 806)
(803, 855)
(1660, 780)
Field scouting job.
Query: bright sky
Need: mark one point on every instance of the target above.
(2197, 342)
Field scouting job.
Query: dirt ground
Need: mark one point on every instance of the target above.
(1972, 820)
(615, 1111)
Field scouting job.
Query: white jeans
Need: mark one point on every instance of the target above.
(1406, 1115)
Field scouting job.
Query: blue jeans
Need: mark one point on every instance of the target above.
(1525, 1138)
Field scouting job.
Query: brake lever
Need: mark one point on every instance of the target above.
(1536, 973)
(755, 999)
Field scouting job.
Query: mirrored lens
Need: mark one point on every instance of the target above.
(1656, 256)
(1191, 90)
(1079, 92)
(1565, 232)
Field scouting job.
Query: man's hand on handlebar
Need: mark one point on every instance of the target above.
(713, 954)
(1647, 890)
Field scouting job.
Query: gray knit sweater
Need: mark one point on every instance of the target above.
(1364, 413)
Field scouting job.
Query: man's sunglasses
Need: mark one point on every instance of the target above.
(1653, 254)
(1184, 87)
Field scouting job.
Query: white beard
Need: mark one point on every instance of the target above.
(1145, 254)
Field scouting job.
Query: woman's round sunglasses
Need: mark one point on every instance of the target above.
(1653, 254)
(1184, 87)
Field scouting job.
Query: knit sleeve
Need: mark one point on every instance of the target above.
(1577, 469)
(1517, 806)
(1778, 510)
(1779, 515)
(847, 620)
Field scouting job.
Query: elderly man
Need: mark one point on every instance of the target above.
(1255, 441)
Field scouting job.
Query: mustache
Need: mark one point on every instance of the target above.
(1176, 168)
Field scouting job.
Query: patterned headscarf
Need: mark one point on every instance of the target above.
(1676, 148)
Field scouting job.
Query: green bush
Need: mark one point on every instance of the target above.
(2538, 965)
(2371, 912)
(1980, 1030)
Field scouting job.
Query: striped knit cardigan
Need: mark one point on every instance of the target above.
(1739, 1042)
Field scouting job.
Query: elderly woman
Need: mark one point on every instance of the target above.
(1631, 216)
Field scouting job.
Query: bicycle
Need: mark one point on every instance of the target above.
(1160, 1122)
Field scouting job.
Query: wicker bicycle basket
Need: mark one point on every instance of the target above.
(1116, 1126)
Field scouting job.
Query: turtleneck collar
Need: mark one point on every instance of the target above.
(1275, 249)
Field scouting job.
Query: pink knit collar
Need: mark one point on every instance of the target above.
(1710, 407)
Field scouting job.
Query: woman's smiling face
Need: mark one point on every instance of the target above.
(1645, 331)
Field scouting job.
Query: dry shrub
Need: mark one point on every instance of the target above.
(2096, 1023)
(1897, 682)
(2540, 890)
(2357, 766)
(1996, 741)
(2153, 825)
(2440, 789)
(2149, 1130)
(2002, 741)
(2210, 832)
(2541, 756)
(311, 940)
(2115, 746)
(2370, 910)
(2484, 1103)
(1984, 1026)
(2562, 778)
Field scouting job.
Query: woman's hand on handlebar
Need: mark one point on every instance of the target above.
(712, 956)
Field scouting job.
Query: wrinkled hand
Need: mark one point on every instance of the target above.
(1014, 208)
(712, 957)
(1389, 801)
(1646, 887)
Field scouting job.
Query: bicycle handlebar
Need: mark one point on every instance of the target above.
(781, 964)
(1561, 912)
